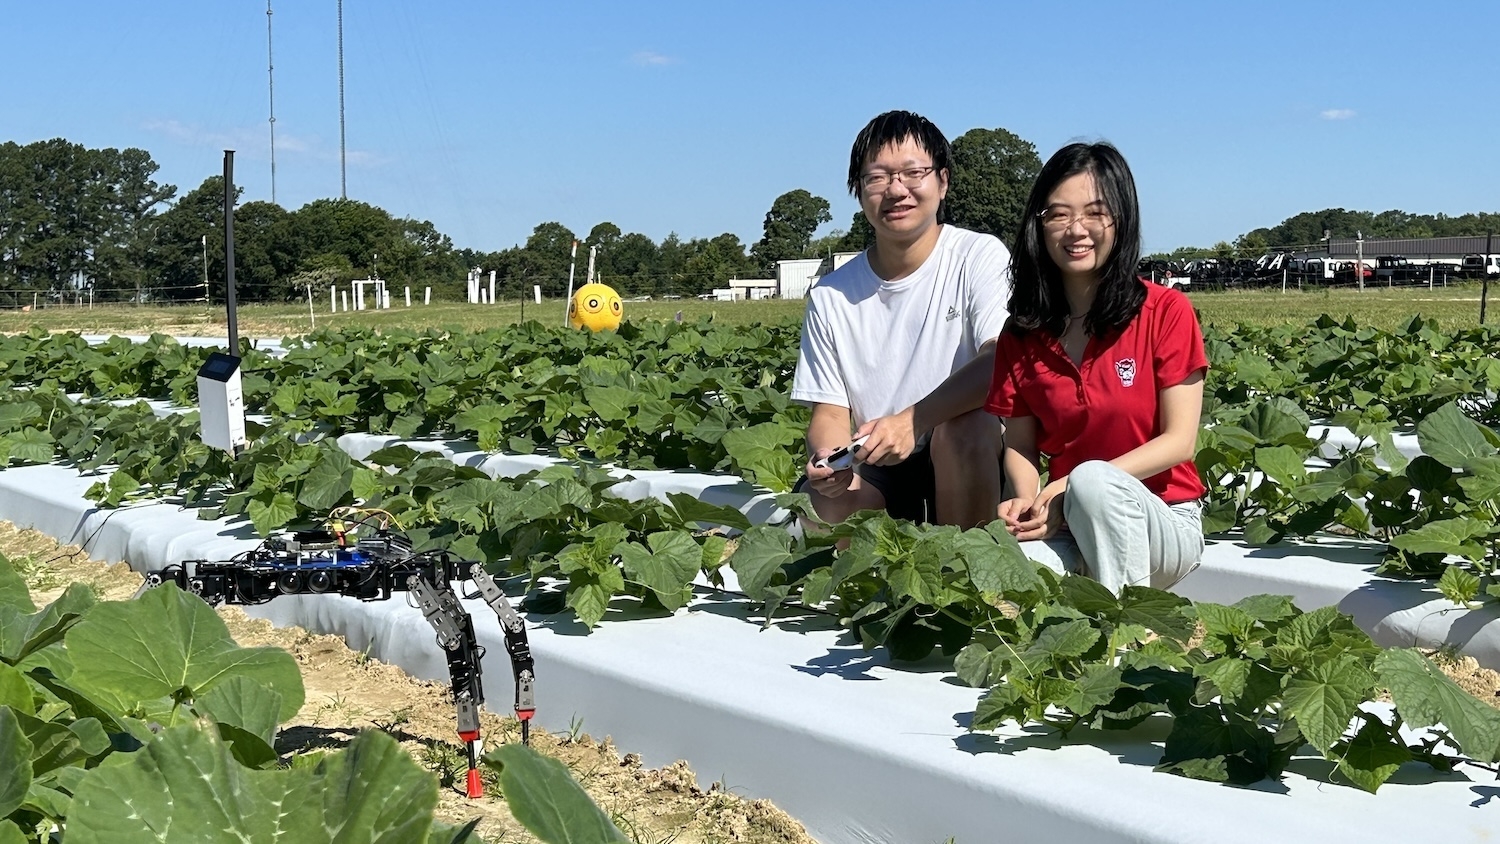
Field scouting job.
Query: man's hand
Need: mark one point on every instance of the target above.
(830, 483)
(892, 438)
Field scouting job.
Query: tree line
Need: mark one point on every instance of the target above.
(76, 220)
(1308, 230)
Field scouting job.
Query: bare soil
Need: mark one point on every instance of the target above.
(348, 692)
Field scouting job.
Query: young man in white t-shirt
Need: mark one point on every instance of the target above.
(898, 345)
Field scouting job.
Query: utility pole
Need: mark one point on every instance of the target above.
(343, 160)
(572, 263)
(1484, 290)
(205, 268)
(1359, 259)
(271, 90)
(592, 249)
(234, 331)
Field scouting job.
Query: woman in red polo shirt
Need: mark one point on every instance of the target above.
(1102, 372)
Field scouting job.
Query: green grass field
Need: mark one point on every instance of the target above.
(1453, 307)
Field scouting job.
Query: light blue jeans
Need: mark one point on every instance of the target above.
(1120, 533)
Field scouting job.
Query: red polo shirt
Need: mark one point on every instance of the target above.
(1107, 406)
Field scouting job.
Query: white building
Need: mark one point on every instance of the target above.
(795, 277)
(753, 288)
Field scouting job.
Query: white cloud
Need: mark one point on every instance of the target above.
(1337, 114)
(193, 135)
(255, 142)
(649, 58)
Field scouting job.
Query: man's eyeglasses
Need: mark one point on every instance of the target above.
(1059, 219)
(879, 180)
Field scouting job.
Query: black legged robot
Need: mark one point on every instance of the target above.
(371, 569)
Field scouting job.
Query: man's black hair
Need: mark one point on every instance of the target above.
(1037, 299)
(893, 127)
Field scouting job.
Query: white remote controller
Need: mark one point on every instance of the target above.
(842, 458)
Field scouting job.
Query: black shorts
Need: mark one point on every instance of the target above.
(909, 487)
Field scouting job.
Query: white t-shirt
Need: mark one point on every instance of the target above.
(878, 347)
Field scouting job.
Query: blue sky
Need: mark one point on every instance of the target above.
(488, 118)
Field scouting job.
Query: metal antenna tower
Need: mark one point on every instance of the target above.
(271, 90)
(343, 163)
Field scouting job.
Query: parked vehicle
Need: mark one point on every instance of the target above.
(1165, 273)
(1396, 269)
(1476, 265)
(1346, 273)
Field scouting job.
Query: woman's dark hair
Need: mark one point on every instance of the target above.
(893, 127)
(1036, 293)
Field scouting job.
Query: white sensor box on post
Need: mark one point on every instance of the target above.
(221, 402)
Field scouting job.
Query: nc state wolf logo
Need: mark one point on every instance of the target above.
(1126, 370)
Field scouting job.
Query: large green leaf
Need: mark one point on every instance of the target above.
(917, 574)
(1282, 464)
(611, 404)
(1276, 422)
(691, 510)
(1458, 585)
(1089, 596)
(22, 635)
(761, 553)
(13, 589)
(1372, 756)
(1267, 609)
(972, 665)
(15, 762)
(446, 833)
(1324, 699)
(1156, 610)
(1448, 536)
(247, 715)
(1425, 696)
(1095, 688)
(1452, 438)
(589, 593)
(763, 450)
(546, 799)
(30, 445)
(1065, 641)
(326, 484)
(185, 787)
(169, 644)
(15, 415)
(671, 564)
(269, 511)
(1228, 675)
(997, 566)
(15, 691)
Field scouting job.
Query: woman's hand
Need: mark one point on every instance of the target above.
(1011, 512)
(1037, 518)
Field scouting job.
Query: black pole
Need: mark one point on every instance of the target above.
(1484, 269)
(234, 329)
